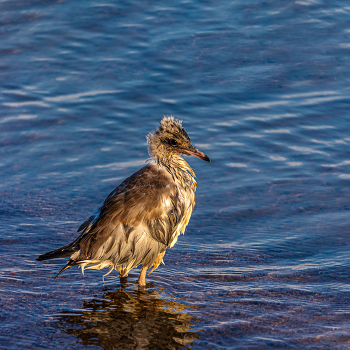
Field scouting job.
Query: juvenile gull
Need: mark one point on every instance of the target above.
(144, 215)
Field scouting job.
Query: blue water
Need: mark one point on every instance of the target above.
(263, 89)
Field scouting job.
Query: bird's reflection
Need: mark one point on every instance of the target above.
(144, 319)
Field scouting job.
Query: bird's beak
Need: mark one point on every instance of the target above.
(196, 153)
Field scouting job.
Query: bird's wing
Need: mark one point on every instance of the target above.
(139, 217)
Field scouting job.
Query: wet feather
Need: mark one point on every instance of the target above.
(145, 214)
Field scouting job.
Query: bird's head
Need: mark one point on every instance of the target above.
(170, 139)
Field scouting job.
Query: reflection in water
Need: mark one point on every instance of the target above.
(131, 320)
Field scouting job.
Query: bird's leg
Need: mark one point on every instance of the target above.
(123, 279)
(123, 276)
(142, 278)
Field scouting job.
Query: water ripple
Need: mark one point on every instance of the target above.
(262, 87)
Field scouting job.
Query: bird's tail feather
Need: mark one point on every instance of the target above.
(65, 268)
(62, 252)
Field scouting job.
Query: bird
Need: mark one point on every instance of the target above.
(143, 216)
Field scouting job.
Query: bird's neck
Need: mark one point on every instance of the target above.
(179, 169)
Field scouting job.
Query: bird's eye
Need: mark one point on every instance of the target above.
(173, 142)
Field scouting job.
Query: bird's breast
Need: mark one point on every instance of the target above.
(187, 202)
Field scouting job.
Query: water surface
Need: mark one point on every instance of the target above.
(263, 89)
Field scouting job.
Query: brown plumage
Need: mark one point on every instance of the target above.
(145, 214)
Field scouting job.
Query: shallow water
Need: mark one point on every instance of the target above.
(263, 89)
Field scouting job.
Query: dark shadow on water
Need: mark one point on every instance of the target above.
(132, 319)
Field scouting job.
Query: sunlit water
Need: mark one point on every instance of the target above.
(263, 89)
